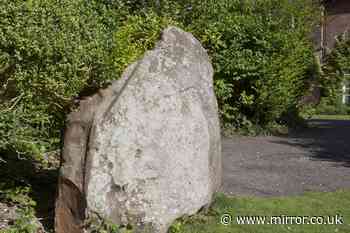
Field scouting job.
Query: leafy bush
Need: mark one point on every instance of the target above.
(50, 52)
(53, 52)
(137, 35)
(332, 106)
(336, 66)
(338, 61)
(261, 54)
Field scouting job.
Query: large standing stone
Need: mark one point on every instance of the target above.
(146, 150)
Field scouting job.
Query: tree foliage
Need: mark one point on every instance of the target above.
(260, 50)
(52, 52)
(337, 65)
(336, 70)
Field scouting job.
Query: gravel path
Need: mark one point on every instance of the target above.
(312, 159)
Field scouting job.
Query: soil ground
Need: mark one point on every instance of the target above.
(316, 158)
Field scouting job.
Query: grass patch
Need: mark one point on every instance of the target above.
(309, 204)
(331, 117)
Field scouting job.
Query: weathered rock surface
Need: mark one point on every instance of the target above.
(147, 149)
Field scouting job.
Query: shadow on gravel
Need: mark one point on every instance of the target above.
(327, 140)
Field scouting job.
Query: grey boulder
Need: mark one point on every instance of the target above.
(146, 150)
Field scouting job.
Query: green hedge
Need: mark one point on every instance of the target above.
(261, 54)
(52, 52)
(338, 61)
(336, 66)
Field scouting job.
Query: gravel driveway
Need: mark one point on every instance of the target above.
(312, 159)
